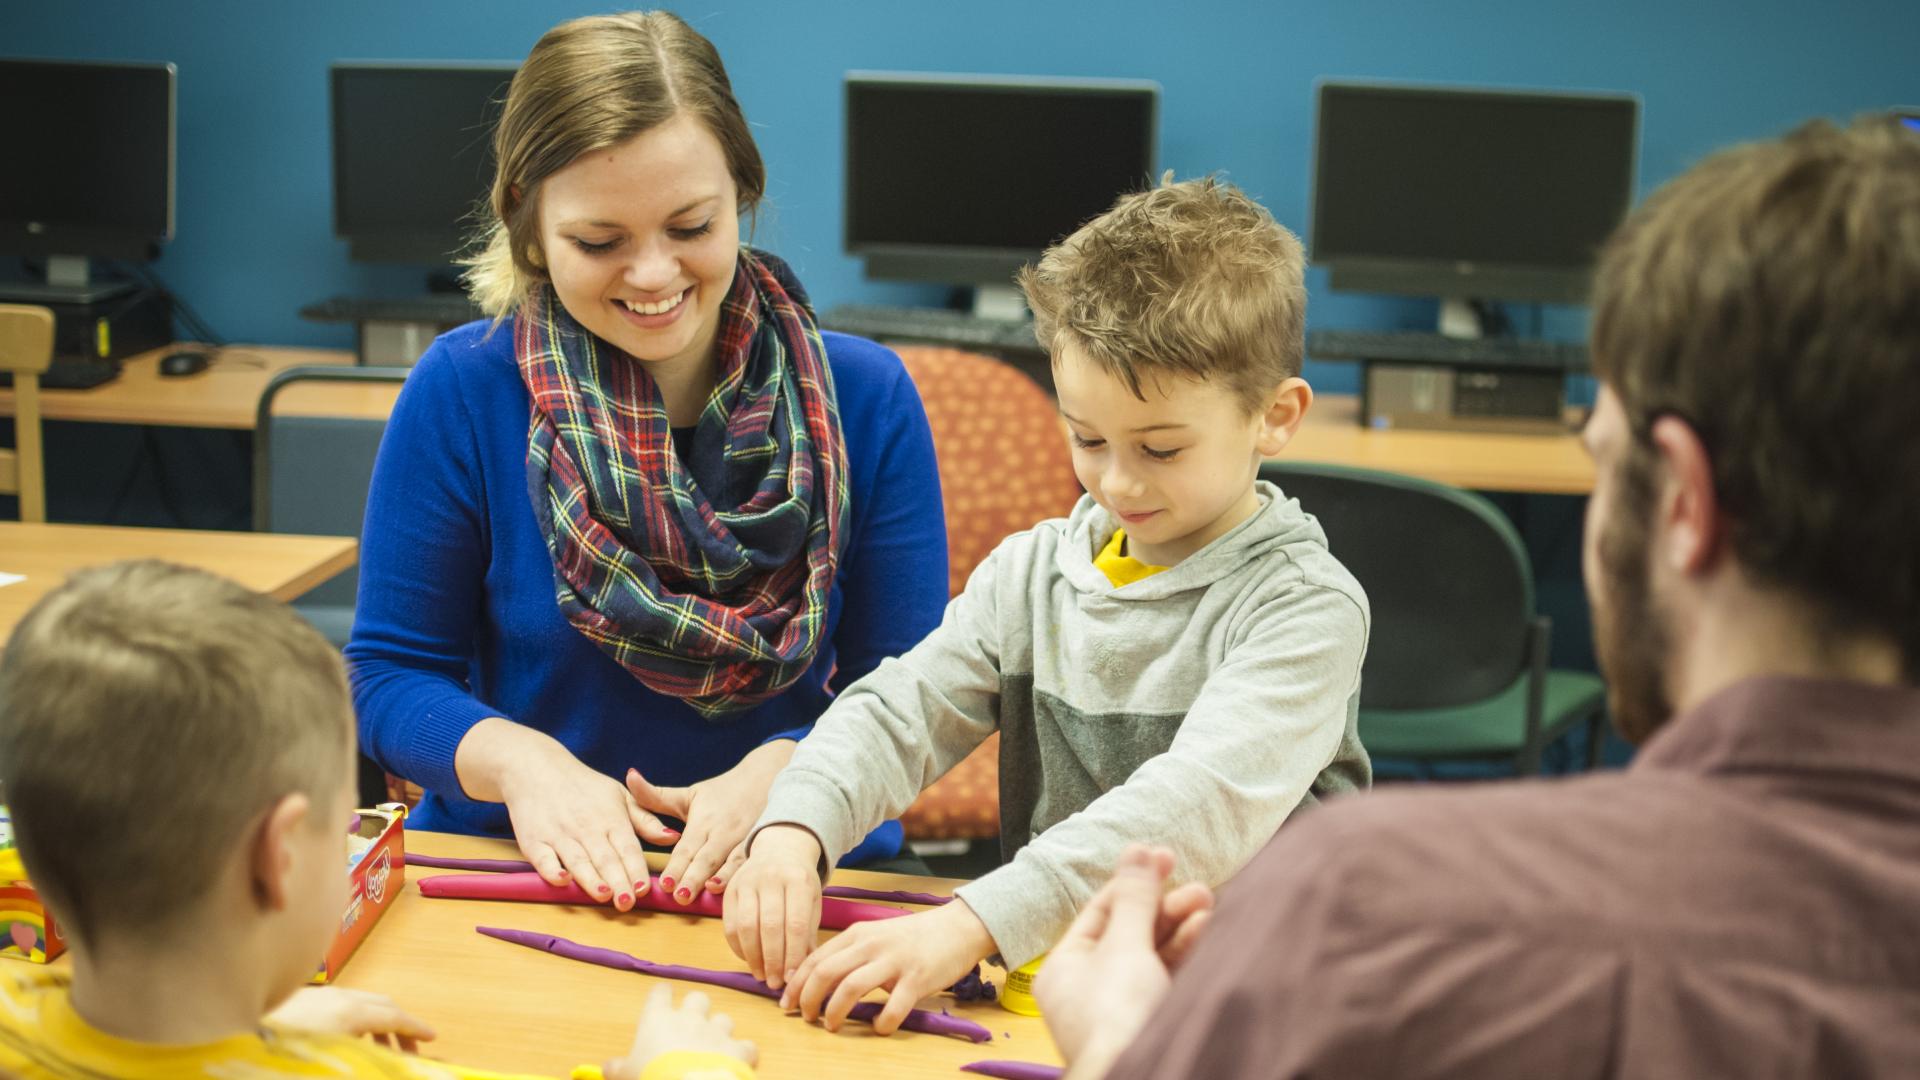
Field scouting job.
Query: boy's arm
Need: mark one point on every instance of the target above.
(899, 729)
(1264, 725)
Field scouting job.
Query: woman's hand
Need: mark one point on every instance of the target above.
(572, 822)
(718, 813)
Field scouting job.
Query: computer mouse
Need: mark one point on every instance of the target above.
(183, 363)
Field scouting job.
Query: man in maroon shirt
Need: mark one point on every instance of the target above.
(1744, 900)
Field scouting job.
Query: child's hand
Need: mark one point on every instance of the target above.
(665, 1028)
(910, 957)
(772, 909)
(331, 1010)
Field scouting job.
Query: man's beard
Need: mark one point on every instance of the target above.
(1630, 631)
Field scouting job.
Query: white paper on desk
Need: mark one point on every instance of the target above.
(11, 579)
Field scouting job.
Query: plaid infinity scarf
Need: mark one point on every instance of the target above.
(706, 578)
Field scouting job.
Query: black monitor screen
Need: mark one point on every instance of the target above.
(89, 150)
(412, 155)
(941, 169)
(1471, 193)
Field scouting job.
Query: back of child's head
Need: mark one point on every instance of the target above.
(149, 715)
(1191, 279)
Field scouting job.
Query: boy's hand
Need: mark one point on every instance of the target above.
(909, 957)
(665, 1027)
(332, 1010)
(771, 911)
(1109, 972)
(718, 813)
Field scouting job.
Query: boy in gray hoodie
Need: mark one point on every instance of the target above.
(1177, 662)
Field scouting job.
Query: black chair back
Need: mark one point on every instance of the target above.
(1446, 577)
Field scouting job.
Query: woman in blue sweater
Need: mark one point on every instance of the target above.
(624, 543)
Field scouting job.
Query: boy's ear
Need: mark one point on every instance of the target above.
(1288, 406)
(270, 861)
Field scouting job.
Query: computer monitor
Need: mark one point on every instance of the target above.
(89, 173)
(1468, 194)
(412, 155)
(965, 178)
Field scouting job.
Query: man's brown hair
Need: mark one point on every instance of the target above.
(590, 84)
(1770, 297)
(149, 715)
(1192, 279)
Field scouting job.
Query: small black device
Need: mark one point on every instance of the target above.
(184, 362)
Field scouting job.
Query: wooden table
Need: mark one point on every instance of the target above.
(225, 395)
(502, 1006)
(280, 565)
(1537, 464)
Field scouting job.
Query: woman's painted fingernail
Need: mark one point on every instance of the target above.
(604, 890)
(626, 898)
(683, 896)
(666, 882)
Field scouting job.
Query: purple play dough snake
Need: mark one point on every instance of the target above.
(515, 866)
(1015, 1070)
(917, 1020)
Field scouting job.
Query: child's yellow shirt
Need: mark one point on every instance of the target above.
(1122, 569)
(41, 1036)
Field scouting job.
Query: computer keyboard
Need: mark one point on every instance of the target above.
(72, 373)
(1422, 348)
(446, 309)
(936, 325)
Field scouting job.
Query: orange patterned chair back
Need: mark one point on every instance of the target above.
(1004, 466)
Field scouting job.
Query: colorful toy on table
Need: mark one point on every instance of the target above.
(932, 1023)
(376, 871)
(841, 892)
(31, 933)
(834, 914)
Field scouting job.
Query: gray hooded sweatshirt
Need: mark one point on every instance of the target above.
(1193, 709)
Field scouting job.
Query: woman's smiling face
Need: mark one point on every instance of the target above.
(641, 241)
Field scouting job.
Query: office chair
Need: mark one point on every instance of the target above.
(26, 350)
(1456, 668)
(1004, 466)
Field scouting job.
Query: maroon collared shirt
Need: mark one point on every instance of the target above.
(1743, 901)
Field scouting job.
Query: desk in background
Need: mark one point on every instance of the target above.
(223, 396)
(282, 566)
(501, 1006)
(226, 395)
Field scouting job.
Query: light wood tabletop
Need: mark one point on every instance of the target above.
(1537, 464)
(497, 1005)
(281, 565)
(225, 395)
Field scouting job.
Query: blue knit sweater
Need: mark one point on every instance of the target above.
(456, 619)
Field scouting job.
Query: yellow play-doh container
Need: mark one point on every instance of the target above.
(1016, 995)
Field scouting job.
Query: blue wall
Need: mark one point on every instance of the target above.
(255, 239)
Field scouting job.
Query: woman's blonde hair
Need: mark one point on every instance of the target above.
(590, 84)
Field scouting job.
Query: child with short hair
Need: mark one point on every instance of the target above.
(1176, 663)
(177, 756)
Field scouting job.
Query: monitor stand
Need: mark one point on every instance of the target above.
(1003, 302)
(1459, 318)
(68, 282)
